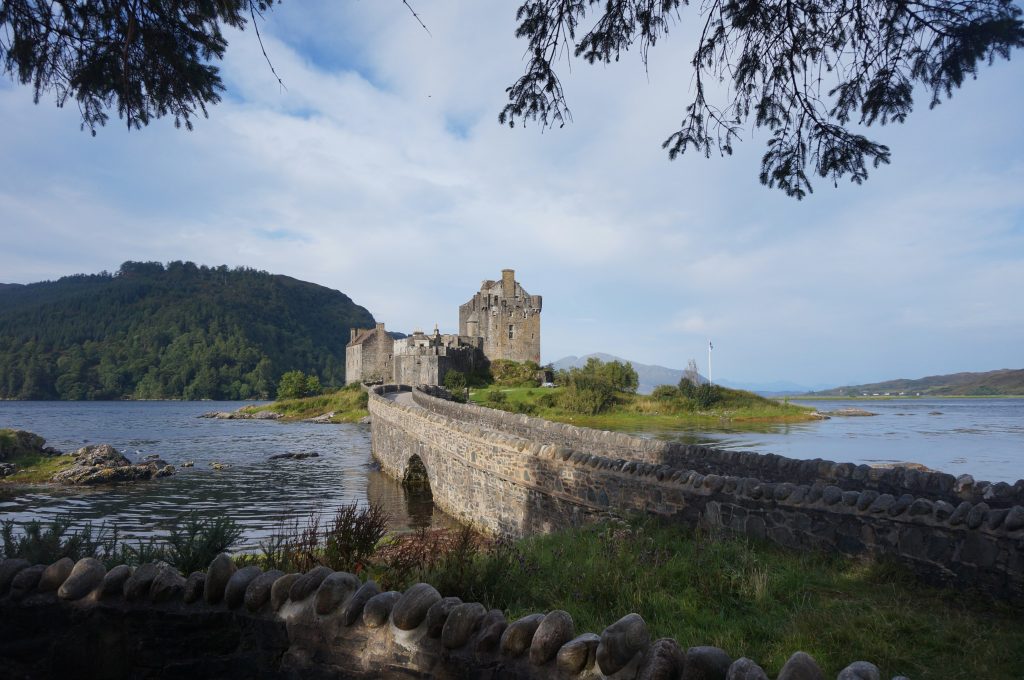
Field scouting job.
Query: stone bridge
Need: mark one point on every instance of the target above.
(513, 475)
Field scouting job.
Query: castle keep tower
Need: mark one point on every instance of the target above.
(506, 317)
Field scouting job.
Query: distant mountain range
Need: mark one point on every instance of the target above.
(651, 375)
(1003, 382)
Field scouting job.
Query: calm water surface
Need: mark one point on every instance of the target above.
(262, 495)
(982, 437)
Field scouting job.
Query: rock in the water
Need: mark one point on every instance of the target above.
(334, 590)
(188, 464)
(620, 642)
(801, 666)
(102, 464)
(258, 592)
(295, 456)
(518, 636)
(307, 583)
(378, 608)
(353, 609)
(461, 623)
(706, 663)
(578, 654)
(281, 589)
(9, 568)
(365, 420)
(411, 610)
(217, 576)
(21, 442)
(860, 670)
(55, 575)
(86, 575)
(555, 630)
(195, 586)
(234, 591)
(26, 580)
(745, 669)
(7, 469)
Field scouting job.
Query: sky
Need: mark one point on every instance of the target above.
(380, 170)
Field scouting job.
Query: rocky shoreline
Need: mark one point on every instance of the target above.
(88, 466)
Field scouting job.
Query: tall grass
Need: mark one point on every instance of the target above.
(751, 599)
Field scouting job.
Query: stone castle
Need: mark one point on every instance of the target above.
(502, 321)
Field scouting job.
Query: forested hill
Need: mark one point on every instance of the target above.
(180, 331)
(1004, 382)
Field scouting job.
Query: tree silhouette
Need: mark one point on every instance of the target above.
(810, 71)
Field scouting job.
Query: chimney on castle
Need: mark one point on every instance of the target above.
(508, 282)
(380, 326)
(352, 334)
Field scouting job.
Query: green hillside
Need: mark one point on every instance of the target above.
(1004, 382)
(180, 331)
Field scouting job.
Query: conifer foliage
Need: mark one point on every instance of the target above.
(180, 331)
(810, 71)
(145, 59)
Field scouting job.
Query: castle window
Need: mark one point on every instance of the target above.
(511, 330)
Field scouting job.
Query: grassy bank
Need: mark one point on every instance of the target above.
(348, 405)
(750, 599)
(636, 411)
(35, 468)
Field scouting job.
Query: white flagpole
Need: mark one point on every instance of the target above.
(710, 347)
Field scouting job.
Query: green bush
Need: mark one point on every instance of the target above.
(587, 395)
(193, 541)
(455, 381)
(547, 400)
(665, 393)
(496, 397)
(515, 374)
(296, 384)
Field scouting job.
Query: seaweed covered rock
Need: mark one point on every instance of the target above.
(103, 464)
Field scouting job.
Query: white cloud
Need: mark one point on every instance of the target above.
(381, 171)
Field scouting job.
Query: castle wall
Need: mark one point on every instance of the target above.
(506, 317)
(509, 484)
(368, 357)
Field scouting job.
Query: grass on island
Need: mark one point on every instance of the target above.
(35, 468)
(32, 466)
(637, 411)
(348, 404)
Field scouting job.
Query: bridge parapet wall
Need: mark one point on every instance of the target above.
(512, 485)
(707, 460)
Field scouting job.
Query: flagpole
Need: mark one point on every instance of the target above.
(710, 347)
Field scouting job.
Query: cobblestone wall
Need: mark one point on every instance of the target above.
(79, 620)
(493, 477)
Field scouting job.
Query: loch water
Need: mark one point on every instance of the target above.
(980, 437)
(262, 495)
(983, 437)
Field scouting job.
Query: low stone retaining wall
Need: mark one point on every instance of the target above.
(507, 484)
(81, 621)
